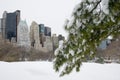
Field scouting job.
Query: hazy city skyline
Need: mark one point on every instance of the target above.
(52, 13)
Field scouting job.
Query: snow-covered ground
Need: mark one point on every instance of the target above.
(44, 71)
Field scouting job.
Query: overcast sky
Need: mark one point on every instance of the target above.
(52, 13)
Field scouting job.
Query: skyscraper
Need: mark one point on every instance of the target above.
(23, 37)
(41, 32)
(47, 31)
(0, 26)
(4, 24)
(41, 28)
(34, 36)
(10, 23)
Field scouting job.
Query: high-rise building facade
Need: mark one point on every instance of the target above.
(23, 37)
(60, 37)
(41, 28)
(4, 24)
(42, 35)
(55, 41)
(10, 23)
(34, 36)
(48, 44)
(0, 26)
(18, 16)
(104, 44)
(47, 31)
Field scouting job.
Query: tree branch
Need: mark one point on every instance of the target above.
(95, 6)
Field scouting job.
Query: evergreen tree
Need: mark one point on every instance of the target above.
(92, 21)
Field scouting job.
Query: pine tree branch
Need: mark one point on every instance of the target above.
(95, 6)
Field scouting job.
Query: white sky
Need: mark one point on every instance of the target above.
(52, 13)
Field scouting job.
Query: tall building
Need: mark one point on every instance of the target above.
(55, 41)
(47, 31)
(48, 44)
(23, 37)
(41, 28)
(60, 37)
(17, 16)
(34, 36)
(4, 24)
(1, 39)
(103, 45)
(0, 26)
(10, 23)
(41, 32)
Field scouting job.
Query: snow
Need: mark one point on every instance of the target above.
(59, 47)
(70, 23)
(104, 6)
(43, 70)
